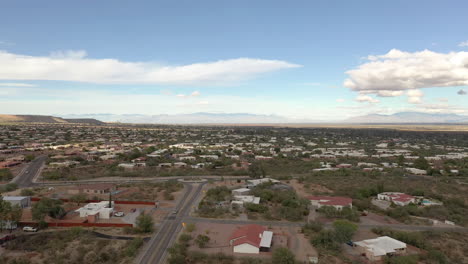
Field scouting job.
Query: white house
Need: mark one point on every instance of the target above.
(253, 183)
(241, 199)
(102, 209)
(397, 198)
(375, 249)
(22, 201)
(241, 191)
(251, 239)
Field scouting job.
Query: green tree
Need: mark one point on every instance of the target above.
(421, 163)
(47, 206)
(144, 223)
(283, 256)
(78, 198)
(344, 230)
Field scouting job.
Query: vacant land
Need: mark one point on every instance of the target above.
(75, 245)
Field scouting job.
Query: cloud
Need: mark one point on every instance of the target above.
(193, 94)
(401, 71)
(17, 85)
(340, 100)
(463, 44)
(461, 92)
(366, 99)
(76, 66)
(415, 96)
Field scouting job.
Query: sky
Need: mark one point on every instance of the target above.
(304, 60)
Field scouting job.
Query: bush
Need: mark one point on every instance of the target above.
(27, 192)
(202, 240)
(283, 256)
(133, 246)
(144, 223)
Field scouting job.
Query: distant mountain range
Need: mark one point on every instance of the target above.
(46, 119)
(195, 118)
(408, 117)
(234, 118)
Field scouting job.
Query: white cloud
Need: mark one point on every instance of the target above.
(366, 99)
(400, 71)
(193, 94)
(75, 66)
(17, 85)
(340, 100)
(415, 96)
(463, 44)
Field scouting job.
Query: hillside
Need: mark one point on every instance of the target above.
(45, 119)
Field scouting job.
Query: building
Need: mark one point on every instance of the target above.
(239, 200)
(241, 191)
(335, 201)
(22, 201)
(95, 211)
(253, 183)
(416, 171)
(397, 198)
(375, 249)
(100, 188)
(251, 239)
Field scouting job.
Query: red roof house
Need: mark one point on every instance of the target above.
(335, 201)
(250, 239)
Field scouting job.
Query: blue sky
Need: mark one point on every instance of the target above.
(288, 58)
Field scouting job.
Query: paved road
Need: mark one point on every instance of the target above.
(156, 249)
(25, 178)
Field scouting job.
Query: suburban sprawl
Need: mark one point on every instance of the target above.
(121, 193)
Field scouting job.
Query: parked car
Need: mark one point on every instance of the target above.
(29, 229)
(119, 214)
(133, 210)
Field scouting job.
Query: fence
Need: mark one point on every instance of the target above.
(36, 199)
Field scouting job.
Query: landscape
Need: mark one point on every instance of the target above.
(234, 132)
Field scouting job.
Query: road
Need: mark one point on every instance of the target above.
(156, 249)
(25, 178)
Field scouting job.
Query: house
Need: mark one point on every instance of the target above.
(96, 211)
(127, 165)
(397, 198)
(239, 200)
(22, 201)
(101, 188)
(253, 183)
(335, 201)
(241, 191)
(251, 239)
(344, 166)
(416, 171)
(375, 249)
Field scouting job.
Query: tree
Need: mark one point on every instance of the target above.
(344, 230)
(78, 198)
(421, 163)
(144, 223)
(283, 256)
(202, 240)
(256, 170)
(47, 206)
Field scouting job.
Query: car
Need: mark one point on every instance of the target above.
(133, 210)
(119, 214)
(29, 229)
(7, 238)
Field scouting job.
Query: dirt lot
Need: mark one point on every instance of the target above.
(307, 189)
(283, 237)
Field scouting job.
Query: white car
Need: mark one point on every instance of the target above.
(29, 229)
(119, 214)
